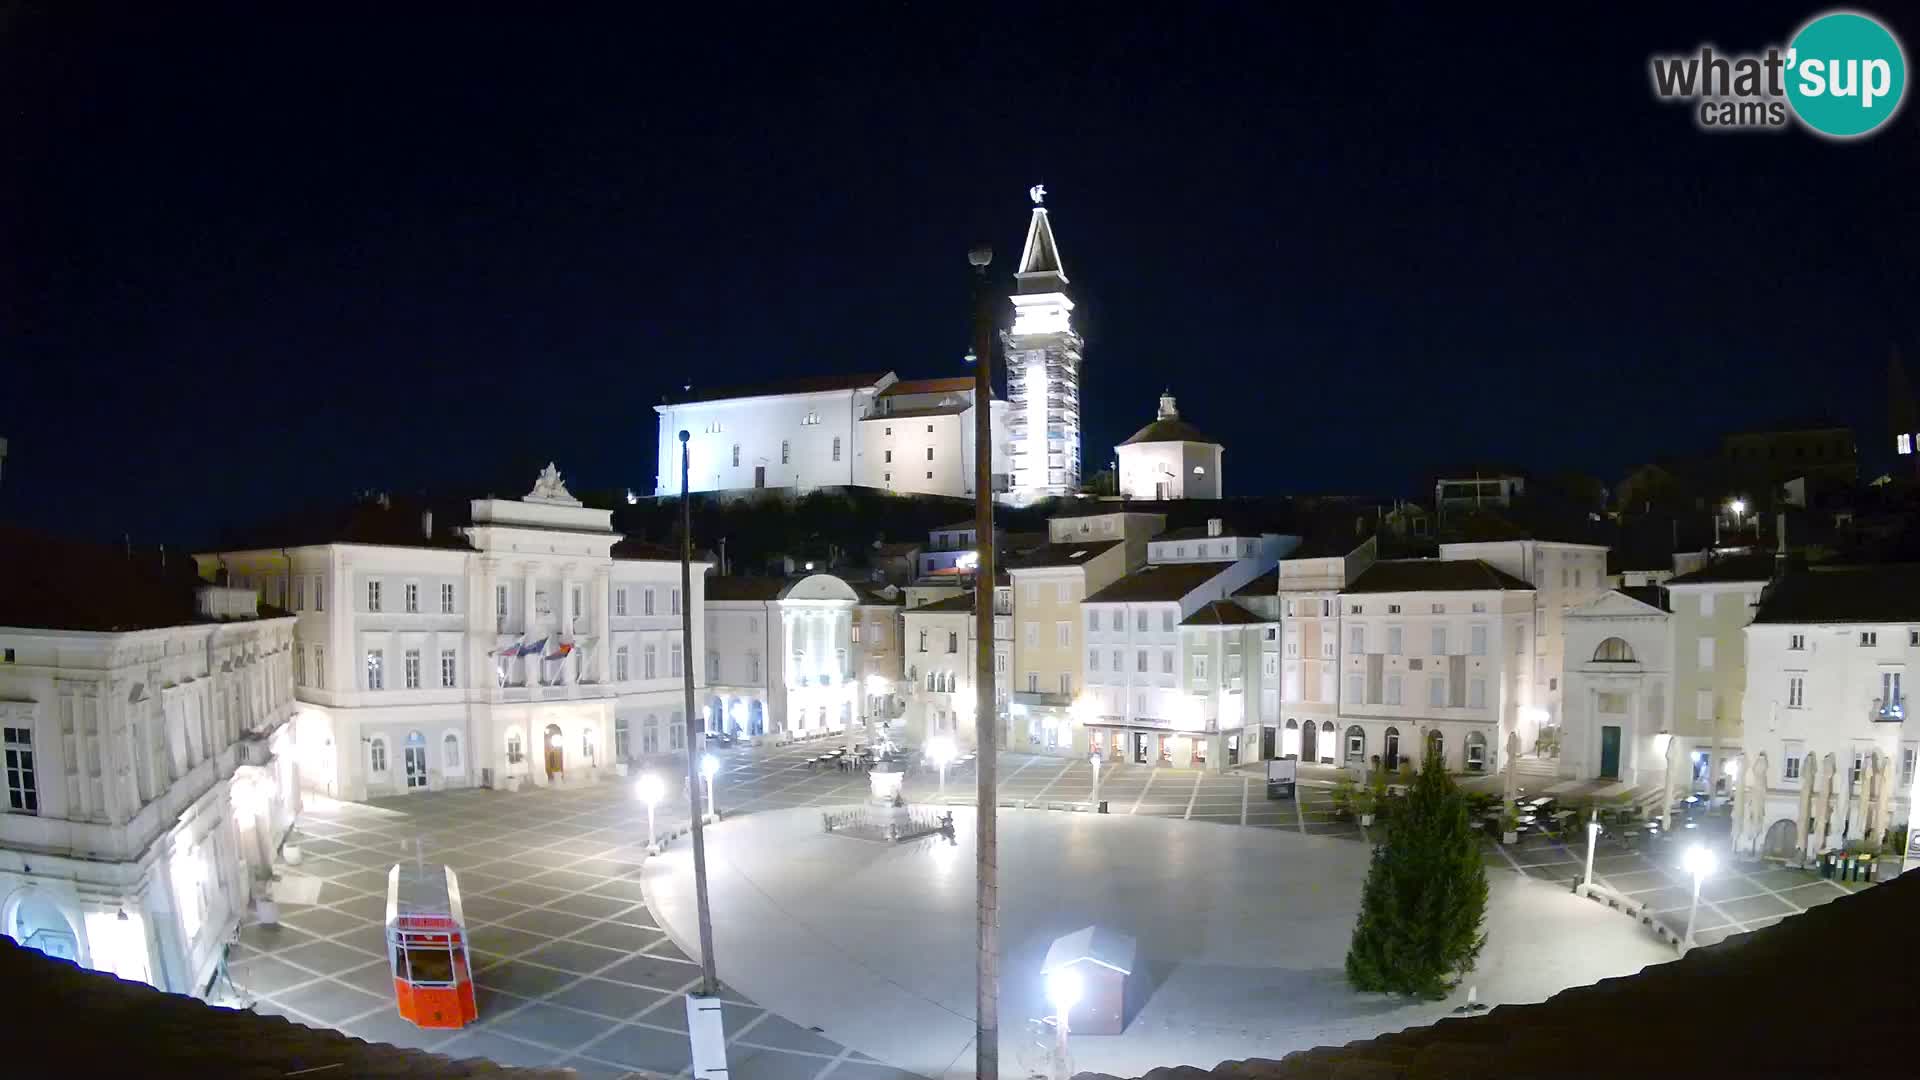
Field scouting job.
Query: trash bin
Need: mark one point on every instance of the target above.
(1103, 806)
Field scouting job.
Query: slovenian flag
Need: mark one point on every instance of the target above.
(534, 649)
(507, 650)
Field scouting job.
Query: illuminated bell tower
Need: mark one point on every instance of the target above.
(1043, 369)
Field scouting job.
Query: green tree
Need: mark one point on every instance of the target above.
(1425, 899)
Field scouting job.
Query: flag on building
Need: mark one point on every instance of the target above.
(565, 648)
(534, 649)
(510, 649)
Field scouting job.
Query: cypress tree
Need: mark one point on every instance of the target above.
(1419, 929)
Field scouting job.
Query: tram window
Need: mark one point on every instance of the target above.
(429, 965)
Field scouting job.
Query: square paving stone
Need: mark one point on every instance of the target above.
(623, 888)
(525, 980)
(653, 971)
(1665, 899)
(566, 880)
(1812, 896)
(272, 939)
(374, 978)
(605, 868)
(644, 1048)
(371, 908)
(387, 1027)
(764, 1063)
(1728, 887)
(611, 999)
(476, 883)
(324, 922)
(552, 1025)
(327, 867)
(593, 907)
(784, 1034)
(265, 975)
(1750, 908)
(486, 909)
(331, 1002)
(552, 860)
(504, 941)
(324, 957)
(528, 894)
(1783, 879)
(553, 924)
(1639, 881)
(575, 956)
(498, 1049)
(369, 938)
(859, 1070)
(621, 936)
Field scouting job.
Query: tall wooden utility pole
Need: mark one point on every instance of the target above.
(709, 982)
(986, 703)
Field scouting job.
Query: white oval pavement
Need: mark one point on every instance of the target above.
(1242, 935)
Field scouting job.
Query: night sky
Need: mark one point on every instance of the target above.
(252, 263)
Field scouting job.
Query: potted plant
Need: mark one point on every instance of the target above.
(1510, 826)
(1365, 802)
(1343, 792)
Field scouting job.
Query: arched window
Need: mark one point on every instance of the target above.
(450, 757)
(1356, 744)
(377, 755)
(1613, 651)
(1477, 751)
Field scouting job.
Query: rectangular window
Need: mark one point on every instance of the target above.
(713, 667)
(646, 602)
(577, 603)
(23, 785)
(1703, 704)
(319, 593)
(1140, 621)
(1063, 592)
(1889, 689)
(412, 598)
(1293, 645)
(929, 453)
(889, 457)
(500, 603)
(446, 598)
(786, 451)
(1031, 632)
(1439, 641)
(1479, 607)
(1393, 641)
(1118, 620)
(300, 667)
(1357, 640)
(410, 661)
(1790, 761)
(953, 641)
(1093, 620)
(736, 455)
(299, 594)
(1477, 693)
(853, 632)
(1796, 691)
(1063, 633)
(1140, 661)
(1797, 642)
(1033, 682)
(1907, 755)
(376, 673)
(1166, 661)
(1289, 609)
(1269, 664)
(674, 661)
(620, 601)
(1477, 640)
(1200, 667)
(1393, 689)
(673, 601)
(1093, 659)
(319, 667)
(449, 671)
(1706, 654)
(1869, 639)
(1439, 609)
(649, 662)
(1436, 692)
(373, 596)
(1356, 689)
(1066, 685)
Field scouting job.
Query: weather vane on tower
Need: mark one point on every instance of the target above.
(1038, 193)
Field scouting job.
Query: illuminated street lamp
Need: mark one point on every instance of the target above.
(941, 751)
(1698, 861)
(1094, 760)
(1593, 834)
(709, 765)
(651, 789)
(1063, 992)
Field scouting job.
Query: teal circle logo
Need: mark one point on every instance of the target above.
(1845, 74)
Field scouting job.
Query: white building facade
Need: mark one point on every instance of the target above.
(1043, 355)
(151, 778)
(1170, 459)
(1619, 689)
(783, 659)
(519, 649)
(1308, 584)
(1829, 749)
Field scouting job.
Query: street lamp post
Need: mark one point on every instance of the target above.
(941, 751)
(986, 1002)
(1063, 991)
(1593, 834)
(651, 790)
(1698, 861)
(1094, 760)
(709, 765)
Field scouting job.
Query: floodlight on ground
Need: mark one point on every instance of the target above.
(941, 751)
(1698, 861)
(651, 789)
(1063, 991)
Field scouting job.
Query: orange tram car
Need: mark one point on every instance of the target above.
(427, 947)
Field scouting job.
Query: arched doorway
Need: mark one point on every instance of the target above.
(1309, 741)
(1329, 746)
(1476, 752)
(756, 718)
(555, 751)
(414, 756)
(1437, 745)
(1393, 749)
(1356, 745)
(1783, 839)
(716, 714)
(38, 923)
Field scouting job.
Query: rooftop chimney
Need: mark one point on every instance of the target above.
(1214, 526)
(426, 524)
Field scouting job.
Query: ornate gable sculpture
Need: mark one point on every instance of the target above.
(549, 488)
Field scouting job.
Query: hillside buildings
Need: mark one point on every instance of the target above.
(151, 770)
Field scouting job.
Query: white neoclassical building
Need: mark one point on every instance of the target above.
(1619, 688)
(150, 766)
(1829, 747)
(784, 655)
(1170, 459)
(527, 645)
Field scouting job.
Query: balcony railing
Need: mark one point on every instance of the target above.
(1887, 711)
(1047, 698)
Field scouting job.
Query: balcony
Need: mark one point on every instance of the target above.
(1042, 699)
(1889, 711)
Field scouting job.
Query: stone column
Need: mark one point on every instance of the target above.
(530, 672)
(603, 625)
(1737, 821)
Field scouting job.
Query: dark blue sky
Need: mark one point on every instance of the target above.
(253, 262)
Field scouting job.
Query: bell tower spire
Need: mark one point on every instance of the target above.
(1043, 367)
